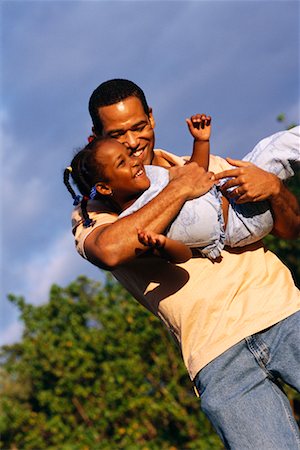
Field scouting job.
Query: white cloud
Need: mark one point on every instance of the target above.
(12, 333)
(24, 189)
(59, 263)
(56, 264)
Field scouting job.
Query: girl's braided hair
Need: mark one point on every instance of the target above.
(85, 170)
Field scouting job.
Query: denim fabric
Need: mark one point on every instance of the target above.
(240, 391)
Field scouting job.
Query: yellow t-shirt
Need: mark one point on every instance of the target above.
(208, 306)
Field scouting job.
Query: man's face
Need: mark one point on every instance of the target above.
(127, 122)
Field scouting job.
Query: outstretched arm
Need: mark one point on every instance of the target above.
(252, 184)
(111, 245)
(200, 128)
(173, 251)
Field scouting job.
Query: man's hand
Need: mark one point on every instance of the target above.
(252, 184)
(248, 182)
(192, 180)
(200, 127)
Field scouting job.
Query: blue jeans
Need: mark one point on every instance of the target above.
(240, 393)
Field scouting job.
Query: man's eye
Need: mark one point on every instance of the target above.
(140, 128)
(116, 135)
(121, 163)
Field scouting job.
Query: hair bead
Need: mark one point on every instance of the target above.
(77, 200)
(93, 193)
(87, 222)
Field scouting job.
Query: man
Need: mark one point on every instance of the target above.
(237, 320)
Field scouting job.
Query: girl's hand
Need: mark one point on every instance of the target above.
(200, 127)
(151, 239)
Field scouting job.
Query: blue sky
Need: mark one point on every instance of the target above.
(235, 60)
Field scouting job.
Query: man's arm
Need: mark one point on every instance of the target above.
(111, 245)
(252, 184)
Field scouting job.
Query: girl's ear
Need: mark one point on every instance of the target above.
(103, 189)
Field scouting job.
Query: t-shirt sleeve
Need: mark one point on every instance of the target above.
(100, 216)
(218, 164)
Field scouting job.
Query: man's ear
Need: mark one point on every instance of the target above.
(103, 188)
(151, 118)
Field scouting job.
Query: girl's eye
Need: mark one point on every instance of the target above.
(121, 163)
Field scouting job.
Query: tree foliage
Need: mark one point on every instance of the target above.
(94, 370)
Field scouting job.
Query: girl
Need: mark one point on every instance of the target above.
(104, 170)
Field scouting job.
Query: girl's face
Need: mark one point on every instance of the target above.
(125, 177)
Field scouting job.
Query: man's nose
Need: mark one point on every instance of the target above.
(131, 140)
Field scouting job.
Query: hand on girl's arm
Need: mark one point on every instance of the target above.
(252, 184)
(174, 251)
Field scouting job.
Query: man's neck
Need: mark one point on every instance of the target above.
(160, 161)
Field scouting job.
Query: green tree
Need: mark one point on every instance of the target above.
(95, 370)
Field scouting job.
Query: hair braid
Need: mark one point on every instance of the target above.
(87, 220)
(76, 198)
(86, 171)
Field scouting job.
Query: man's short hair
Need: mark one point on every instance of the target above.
(111, 92)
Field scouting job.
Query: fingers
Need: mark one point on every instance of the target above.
(235, 193)
(228, 174)
(199, 121)
(150, 239)
(211, 176)
(238, 162)
(233, 182)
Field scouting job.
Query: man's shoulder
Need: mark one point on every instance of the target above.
(168, 159)
(218, 164)
(99, 213)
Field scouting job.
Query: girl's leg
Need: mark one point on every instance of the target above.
(278, 154)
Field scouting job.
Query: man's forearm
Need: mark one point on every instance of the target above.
(252, 184)
(111, 245)
(286, 212)
(118, 243)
